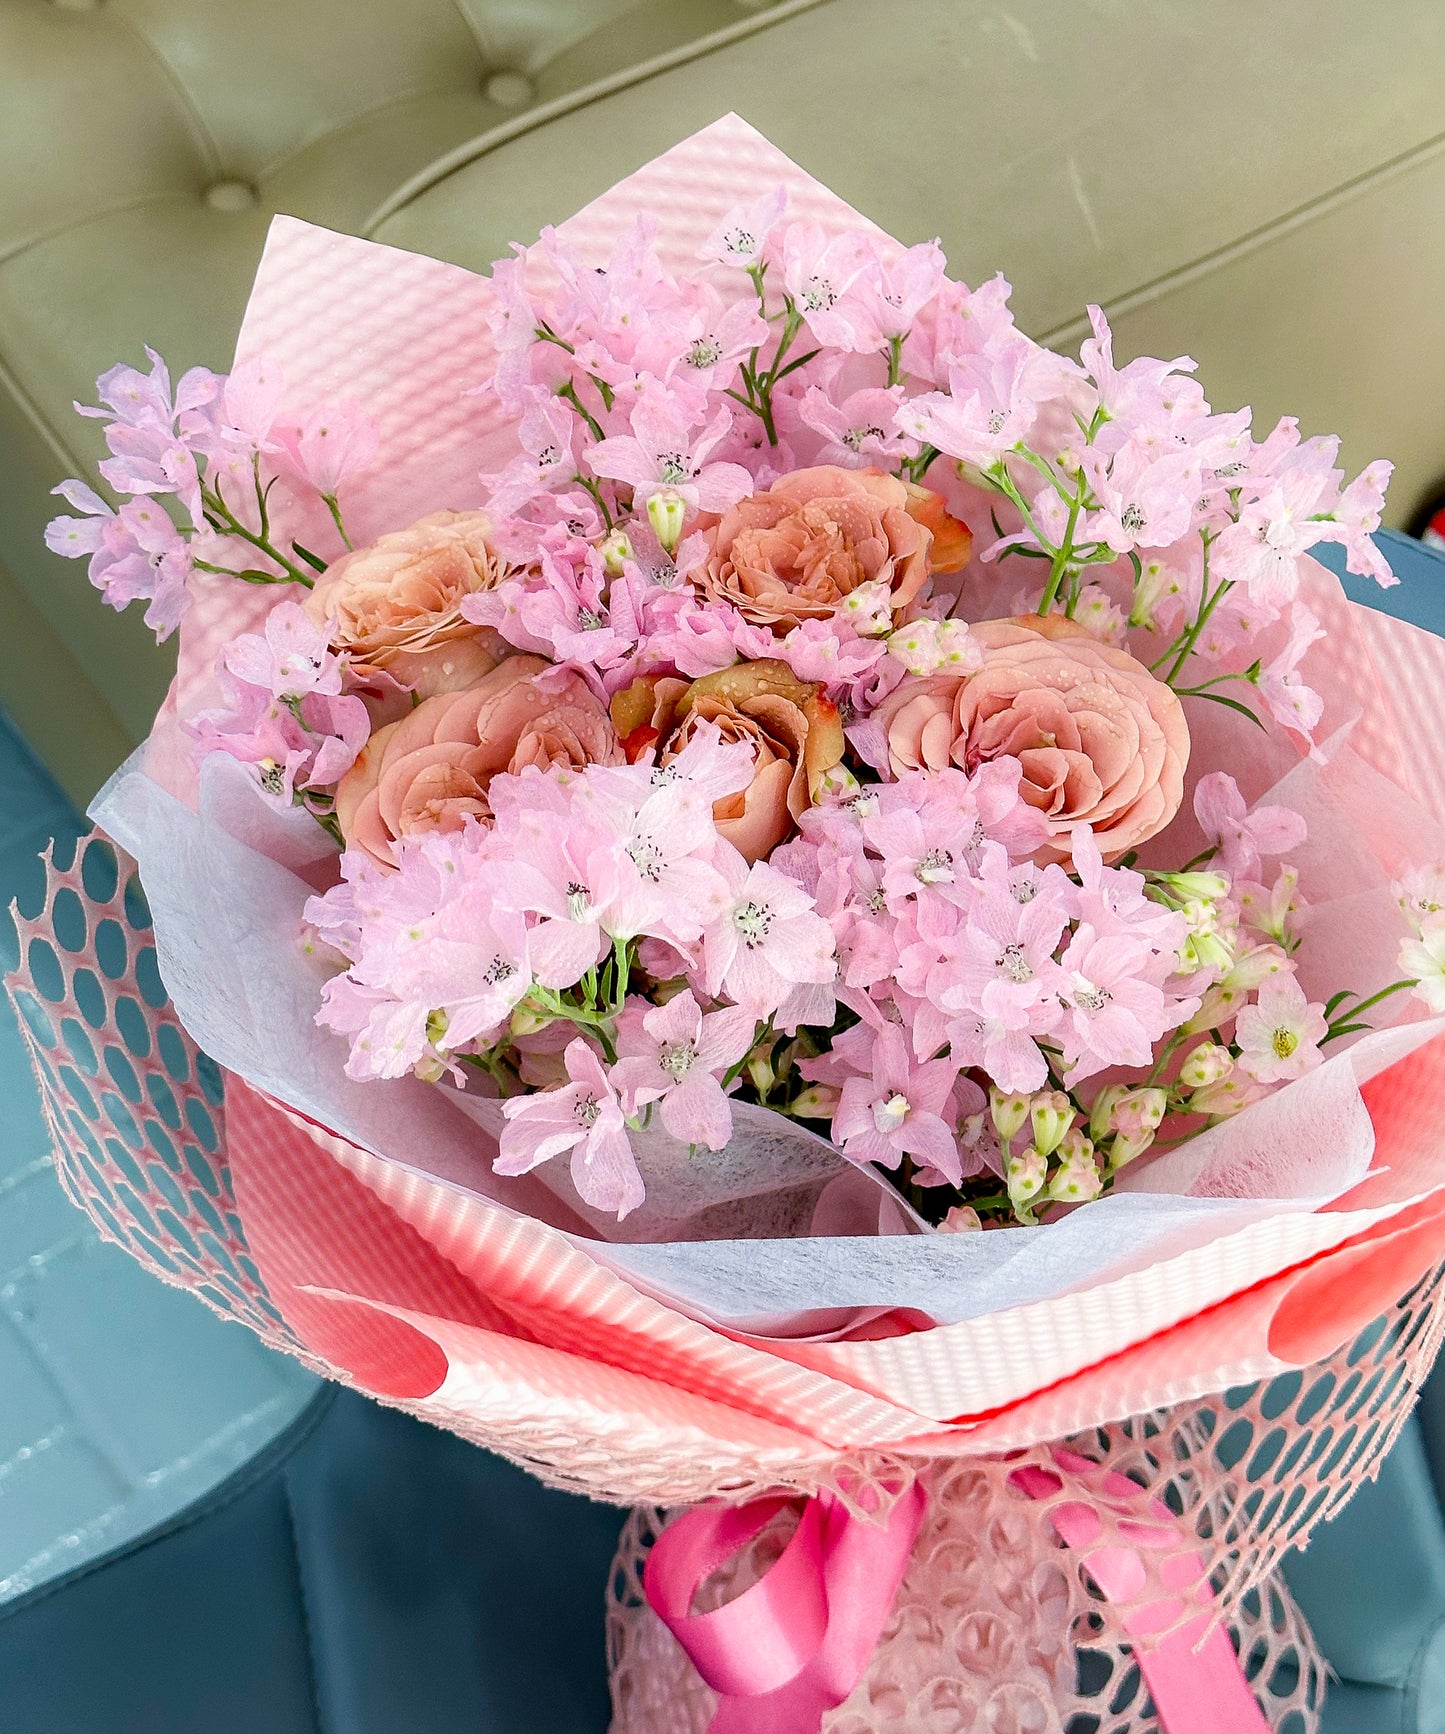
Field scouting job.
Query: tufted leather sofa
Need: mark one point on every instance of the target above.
(1257, 186)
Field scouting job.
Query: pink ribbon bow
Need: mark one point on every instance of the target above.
(1193, 1675)
(796, 1643)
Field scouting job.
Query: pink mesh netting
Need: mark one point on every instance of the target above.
(997, 1626)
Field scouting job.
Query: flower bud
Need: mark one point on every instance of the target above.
(1206, 947)
(1124, 1147)
(666, 512)
(1253, 967)
(916, 647)
(615, 549)
(527, 1020)
(837, 784)
(869, 609)
(1008, 1111)
(1051, 1114)
(1195, 887)
(1139, 1110)
(1205, 1065)
(429, 1069)
(817, 1102)
(1101, 1115)
(1024, 1175)
(962, 1219)
(1227, 1097)
(760, 1069)
(1154, 579)
(1077, 1179)
(436, 1026)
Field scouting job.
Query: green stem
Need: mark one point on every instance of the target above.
(595, 490)
(1061, 559)
(213, 501)
(335, 510)
(1207, 606)
(1344, 1023)
(569, 391)
(250, 575)
(1250, 674)
(895, 360)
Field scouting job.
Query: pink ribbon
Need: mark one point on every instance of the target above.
(1194, 1679)
(796, 1643)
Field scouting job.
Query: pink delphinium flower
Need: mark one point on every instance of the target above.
(436, 964)
(958, 321)
(289, 657)
(1113, 1012)
(899, 1110)
(1289, 701)
(1241, 838)
(1135, 392)
(1420, 892)
(150, 454)
(286, 716)
(819, 272)
(135, 553)
(329, 443)
(1279, 1035)
(665, 453)
(896, 290)
(676, 1055)
(585, 1117)
(857, 430)
(1146, 498)
(1005, 963)
(742, 237)
(768, 940)
(989, 408)
(237, 425)
(1356, 516)
(826, 651)
(548, 434)
(722, 334)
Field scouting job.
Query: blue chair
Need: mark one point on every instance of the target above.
(365, 1574)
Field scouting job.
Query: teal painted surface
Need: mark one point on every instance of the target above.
(121, 1400)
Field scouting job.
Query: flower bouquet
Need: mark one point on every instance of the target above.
(796, 906)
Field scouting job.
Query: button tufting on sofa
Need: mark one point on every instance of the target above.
(509, 89)
(230, 196)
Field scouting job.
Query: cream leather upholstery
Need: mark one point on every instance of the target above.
(1259, 186)
(144, 147)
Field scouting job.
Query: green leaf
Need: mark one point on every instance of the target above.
(313, 560)
(1232, 703)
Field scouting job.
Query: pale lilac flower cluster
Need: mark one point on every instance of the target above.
(1184, 522)
(643, 400)
(486, 937)
(216, 446)
(286, 716)
(946, 930)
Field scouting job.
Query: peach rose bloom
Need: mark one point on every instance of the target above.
(431, 770)
(400, 598)
(794, 552)
(1102, 742)
(794, 730)
(413, 675)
